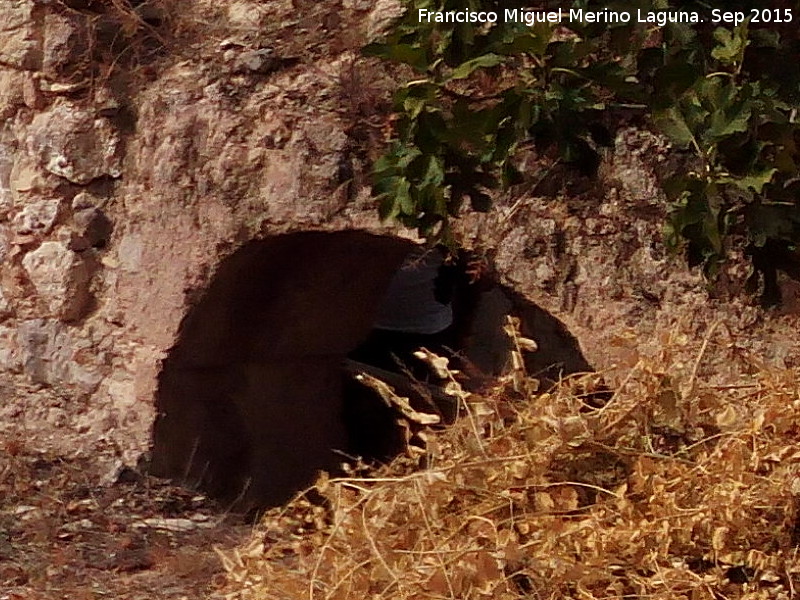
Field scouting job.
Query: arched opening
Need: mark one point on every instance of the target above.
(253, 399)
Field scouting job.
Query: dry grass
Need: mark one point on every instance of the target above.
(674, 489)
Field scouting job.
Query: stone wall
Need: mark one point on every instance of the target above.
(120, 193)
(129, 170)
(126, 181)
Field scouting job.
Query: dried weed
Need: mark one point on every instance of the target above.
(673, 489)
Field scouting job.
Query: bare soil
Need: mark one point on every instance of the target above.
(64, 535)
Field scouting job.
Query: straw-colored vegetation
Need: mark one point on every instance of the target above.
(674, 489)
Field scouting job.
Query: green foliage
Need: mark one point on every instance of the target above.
(478, 92)
(739, 124)
(725, 96)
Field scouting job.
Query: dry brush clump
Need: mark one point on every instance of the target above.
(673, 489)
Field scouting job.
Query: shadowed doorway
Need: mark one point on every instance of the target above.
(251, 399)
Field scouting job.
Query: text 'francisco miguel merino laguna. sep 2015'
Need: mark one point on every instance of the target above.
(579, 15)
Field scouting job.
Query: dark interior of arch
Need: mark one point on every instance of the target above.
(253, 399)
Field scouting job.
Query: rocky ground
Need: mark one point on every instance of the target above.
(64, 535)
(77, 523)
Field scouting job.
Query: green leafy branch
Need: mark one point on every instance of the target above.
(728, 98)
(742, 133)
(477, 92)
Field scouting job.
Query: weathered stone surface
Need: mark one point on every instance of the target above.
(106, 102)
(27, 177)
(130, 252)
(11, 92)
(91, 229)
(382, 15)
(4, 243)
(260, 61)
(19, 43)
(31, 91)
(9, 349)
(84, 200)
(599, 263)
(6, 165)
(630, 166)
(48, 351)
(71, 142)
(90, 226)
(61, 278)
(5, 306)
(37, 217)
(66, 44)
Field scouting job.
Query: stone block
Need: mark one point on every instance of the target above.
(37, 217)
(12, 97)
(66, 44)
(19, 45)
(91, 229)
(47, 351)
(61, 278)
(5, 306)
(6, 165)
(69, 141)
(9, 348)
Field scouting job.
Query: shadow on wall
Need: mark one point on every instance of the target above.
(253, 400)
